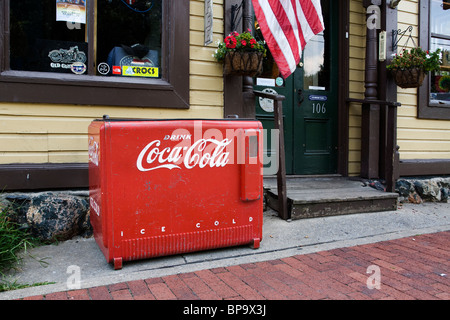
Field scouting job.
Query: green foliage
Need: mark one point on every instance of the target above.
(417, 58)
(13, 239)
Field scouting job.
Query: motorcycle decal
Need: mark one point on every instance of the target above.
(67, 55)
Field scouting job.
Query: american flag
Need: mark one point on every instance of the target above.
(287, 25)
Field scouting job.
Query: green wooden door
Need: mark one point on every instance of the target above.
(310, 109)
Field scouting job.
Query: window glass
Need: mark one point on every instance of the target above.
(315, 65)
(129, 37)
(440, 39)
(316, 57)
(53, 36)
(38, 42)
(439, 17)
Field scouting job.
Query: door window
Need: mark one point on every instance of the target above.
(315, 64)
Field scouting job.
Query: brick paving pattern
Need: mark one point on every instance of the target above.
(413, 268)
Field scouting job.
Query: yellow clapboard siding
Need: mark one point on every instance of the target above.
(406, 99)
(10, 124)
(207, 98)
(354, 133)
(407, 111)
(356, 64)
(23, 157)
(354, 144)
(198, 24)
(197, 38)
(197, 8)
(408, 6)
(354, 156)
(43, 111)
(357, 52)
(354, 168)
(421, 134)
(408, 122)
(407, 155)
(67, 142)
(23, 143)
(206, 83)
(65, 157)
(425, 146)
(202, 53)
(206, 68)
(357, 42)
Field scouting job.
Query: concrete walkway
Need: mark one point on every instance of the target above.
(406, 252)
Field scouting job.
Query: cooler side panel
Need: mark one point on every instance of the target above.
(99, 211)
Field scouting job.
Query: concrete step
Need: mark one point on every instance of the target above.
(310, 197)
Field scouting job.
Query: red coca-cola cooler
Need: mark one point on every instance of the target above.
(164, 187)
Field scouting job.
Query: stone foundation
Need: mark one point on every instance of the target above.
(50, 216)
(418, 190)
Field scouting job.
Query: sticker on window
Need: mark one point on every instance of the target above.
(67, 10)
(78, 67)
(135, 71)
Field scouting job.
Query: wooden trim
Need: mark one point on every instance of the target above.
(388, 92)
(232, 85)
(44, 176)
(424, 167)
(172, 91)
(343, 90)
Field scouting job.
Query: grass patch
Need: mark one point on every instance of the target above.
(14, 239)
(8, 286)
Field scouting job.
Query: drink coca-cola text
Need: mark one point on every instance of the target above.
(202, 153)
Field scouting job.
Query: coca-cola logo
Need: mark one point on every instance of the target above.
(93, 151)
(202, 153)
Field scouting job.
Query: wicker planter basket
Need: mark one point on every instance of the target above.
(408, 78)
(243, 63)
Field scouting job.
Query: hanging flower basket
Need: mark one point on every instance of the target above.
(408, 78)
(243, 63)
(241, 54)
(410, 67)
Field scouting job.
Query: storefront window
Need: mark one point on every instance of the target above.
(95, 52)
(440, 38)
(434, 94)
(53, 36)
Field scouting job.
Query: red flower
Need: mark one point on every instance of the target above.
(230, 42)
(244, 43)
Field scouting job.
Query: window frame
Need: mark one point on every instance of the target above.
(170, 91)
(425, 109)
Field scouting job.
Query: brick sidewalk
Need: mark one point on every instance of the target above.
(409, 268)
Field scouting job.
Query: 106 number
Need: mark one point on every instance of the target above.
(319, 108)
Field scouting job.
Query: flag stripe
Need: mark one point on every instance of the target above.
(273, 35)
(312, 19)
(285, 15)
(286, 26)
